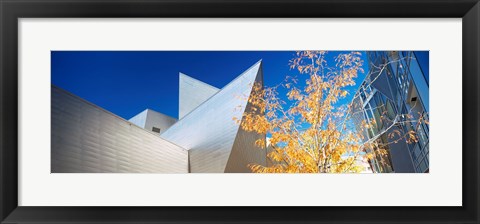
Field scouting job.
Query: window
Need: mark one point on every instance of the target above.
(390, 111)
(423, 166)
(155, 129)
(378, 119)
(422, 136)
(384, 161)
(416, 151)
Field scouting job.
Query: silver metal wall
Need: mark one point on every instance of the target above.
(192, 93)
(140, 119)
(148, 119)
(88, 139)
(209, 132)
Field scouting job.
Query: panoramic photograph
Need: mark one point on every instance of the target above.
(180, 112)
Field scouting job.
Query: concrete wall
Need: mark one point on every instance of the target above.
(88, 139)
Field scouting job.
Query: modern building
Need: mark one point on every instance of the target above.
(88, 139)
(394, 95)
(153, 121)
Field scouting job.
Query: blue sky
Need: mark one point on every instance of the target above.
(127, 82)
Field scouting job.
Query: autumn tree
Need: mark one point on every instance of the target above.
(310, 130)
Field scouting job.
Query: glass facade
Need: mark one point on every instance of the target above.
(395, 96)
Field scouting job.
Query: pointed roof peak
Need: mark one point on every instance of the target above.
(183, 76)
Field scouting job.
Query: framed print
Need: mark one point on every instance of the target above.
(222, 111)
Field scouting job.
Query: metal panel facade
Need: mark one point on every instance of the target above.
(88, 139)
(192, 93)
(245, 152)
(148, 119)
(208, 132)
(140, 119)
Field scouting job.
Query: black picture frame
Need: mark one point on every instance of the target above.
(11, 10)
